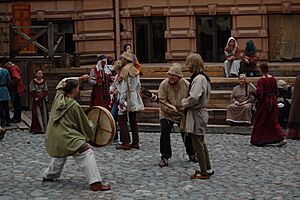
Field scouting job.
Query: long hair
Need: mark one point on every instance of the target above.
(196, 65)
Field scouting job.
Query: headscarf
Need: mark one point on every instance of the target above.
(233, 51)
(250, 48)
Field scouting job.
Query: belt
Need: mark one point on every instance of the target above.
(84, 148)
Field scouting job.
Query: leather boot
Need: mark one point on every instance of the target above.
(123, 146)
(98, 186)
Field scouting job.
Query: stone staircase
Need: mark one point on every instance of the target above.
(153, 74)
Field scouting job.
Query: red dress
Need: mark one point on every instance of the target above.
(39, 93)
(100, 95)
(266, 128)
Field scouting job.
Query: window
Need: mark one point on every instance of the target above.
(63, 28)
(149, 39)
(212, 35)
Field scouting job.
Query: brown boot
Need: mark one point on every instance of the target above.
(135, 146)
(98, 186)
(123, 146)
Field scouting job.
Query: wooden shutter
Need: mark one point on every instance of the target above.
(21, 16)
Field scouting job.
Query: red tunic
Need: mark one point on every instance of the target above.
(266, 128)
(100, 93)
(17, 86)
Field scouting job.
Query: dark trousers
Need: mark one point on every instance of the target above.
(124, 132)
(17, 107)
(201, 152)
(165, 141)
(114, 112)
(4, 112)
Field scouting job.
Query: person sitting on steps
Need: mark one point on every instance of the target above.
(232, 56)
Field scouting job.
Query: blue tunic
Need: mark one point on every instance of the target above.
(4, 83)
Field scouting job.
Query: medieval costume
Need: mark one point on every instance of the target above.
(4, 97)
(232, 56)
(17, 89)
(266, 128)
(171, 93)
(241, 104)
(197, 115)
(39, 92)
(249, 62)
(67, 134)
(293, 131)
(115, 94)
(284, 102)
(135, 61)
(100, 79)
(130, 102)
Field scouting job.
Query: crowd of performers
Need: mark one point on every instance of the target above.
(117, 87)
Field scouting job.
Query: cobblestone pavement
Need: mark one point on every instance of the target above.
(242, 171)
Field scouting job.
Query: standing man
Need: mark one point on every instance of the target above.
(4, 97)
(197, 116)
(171, 92)
(17, 89)
(100, 80)
(130, 102)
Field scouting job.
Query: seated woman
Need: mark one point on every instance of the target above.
(232, 56)
(284, 102)
(241, 103)
(249, 62)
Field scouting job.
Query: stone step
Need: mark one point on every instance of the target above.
(151, 115)
(218, 98)
(161, 69)
(211, 129)
(217, 83)
(216, 69)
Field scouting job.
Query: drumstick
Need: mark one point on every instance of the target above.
(77, 78)
(157, 100)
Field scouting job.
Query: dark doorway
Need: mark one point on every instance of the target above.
(63, 28)
(212, 35)
(149, 39)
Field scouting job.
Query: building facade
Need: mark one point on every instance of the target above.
(160, 31)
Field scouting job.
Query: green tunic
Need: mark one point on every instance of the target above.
(68, 128)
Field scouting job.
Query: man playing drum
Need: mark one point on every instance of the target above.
(67, 134)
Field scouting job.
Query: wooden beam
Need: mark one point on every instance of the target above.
(11, 42)
(50, 40)
(30, 41)
(57, 43)
(23, 35)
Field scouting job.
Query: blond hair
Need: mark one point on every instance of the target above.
(195, 63)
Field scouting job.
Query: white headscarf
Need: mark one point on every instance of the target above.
(233, 50)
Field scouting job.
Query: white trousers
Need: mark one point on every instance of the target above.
(232, 68)
(86, 161)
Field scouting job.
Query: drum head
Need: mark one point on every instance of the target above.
(106, 125)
